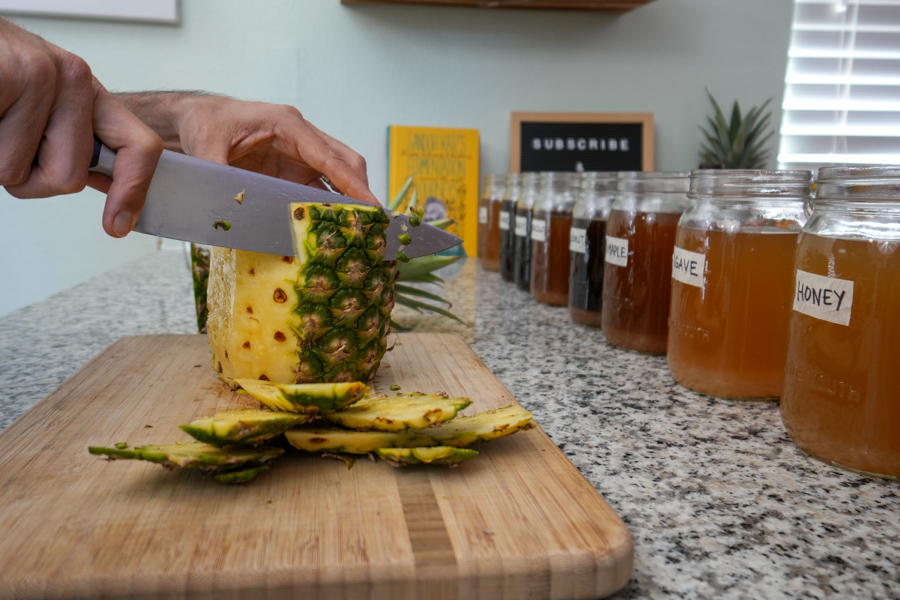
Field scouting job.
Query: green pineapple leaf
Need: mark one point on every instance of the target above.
(398, 199)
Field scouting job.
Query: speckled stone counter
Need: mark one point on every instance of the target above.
(720, 503)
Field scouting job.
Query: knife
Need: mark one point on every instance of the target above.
(199, 201)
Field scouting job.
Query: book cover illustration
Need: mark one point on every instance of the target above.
(445, 162)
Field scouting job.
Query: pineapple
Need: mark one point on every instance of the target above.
(459, 433)
(737, 144)
(240, 475)
(194, 454)
(322, 315)
(247, 426)
(438, 455)
(304, 397)
(398, 413)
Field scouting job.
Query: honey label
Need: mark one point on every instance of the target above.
(617, 251)
(504, 220)
(578, 240)
(539, 230)
(824, 298)
(482, 214)
(688, 267)
(521, 226)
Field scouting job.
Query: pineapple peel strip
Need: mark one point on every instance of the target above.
(460, 432)
(304, 397)
(399, 412)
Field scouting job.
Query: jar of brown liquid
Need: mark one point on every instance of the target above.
(550, 225)
(841, 400)
(522, 238)
(588, 248)
(640, 238)
(732, 276)
(508, 225)
(489, 221)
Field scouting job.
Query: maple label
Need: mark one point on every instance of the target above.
(504, 220)
(617, 251)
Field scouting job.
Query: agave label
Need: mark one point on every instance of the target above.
(688, 267)
(504, 220)
(825, 298)
(617, 251)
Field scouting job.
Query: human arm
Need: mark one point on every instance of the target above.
(272, 139)
(51, 106)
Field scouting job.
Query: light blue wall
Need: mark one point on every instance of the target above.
(353, 70)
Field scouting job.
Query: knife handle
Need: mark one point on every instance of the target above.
(103, 159)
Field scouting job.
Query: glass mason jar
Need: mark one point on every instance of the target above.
(489, 221)
(732, 276)
(587, 245)
(841, 402)
(508, 225)
(640, 238)
(522, 256)
(550, 225)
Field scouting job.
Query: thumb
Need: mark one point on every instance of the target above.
(138, 150)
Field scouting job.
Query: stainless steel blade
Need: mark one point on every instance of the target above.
(195, 200)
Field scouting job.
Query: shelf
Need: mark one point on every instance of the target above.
(608, 6)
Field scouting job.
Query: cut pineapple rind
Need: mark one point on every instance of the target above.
(438, 455)
(247, 426)
(243, 475)
(304, 397)
(399, 412)
(193, 454)
(459, 433)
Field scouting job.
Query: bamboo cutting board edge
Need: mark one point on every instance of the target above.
(443, 552)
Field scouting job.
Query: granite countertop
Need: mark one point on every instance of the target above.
(720, 503)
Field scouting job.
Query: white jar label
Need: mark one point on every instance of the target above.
(539, 230)
(521, 226)
(482, 214)
(823, 298)
(617, 251)
(688, 267)
(504, 220)
(577, 240)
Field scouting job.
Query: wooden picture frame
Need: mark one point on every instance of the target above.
(599, 138)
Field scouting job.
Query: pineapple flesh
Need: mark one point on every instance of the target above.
(322, 315)
(304, 397)
(398, 413)
(461, 432)
(247, 426)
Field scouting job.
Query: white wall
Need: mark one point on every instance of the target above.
(353, 70)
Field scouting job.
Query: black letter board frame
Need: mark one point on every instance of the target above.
(546, 141)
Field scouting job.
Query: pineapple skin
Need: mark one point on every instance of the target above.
(275, 318)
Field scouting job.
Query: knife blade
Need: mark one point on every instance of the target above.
(199, 201)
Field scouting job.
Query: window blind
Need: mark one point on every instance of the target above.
(842, 87)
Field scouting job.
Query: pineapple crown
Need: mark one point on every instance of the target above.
(737, 144)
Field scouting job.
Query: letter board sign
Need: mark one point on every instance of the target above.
(581, 142)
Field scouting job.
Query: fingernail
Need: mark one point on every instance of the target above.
(122, 223)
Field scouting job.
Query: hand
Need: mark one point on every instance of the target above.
(50, 108)
(270, 139)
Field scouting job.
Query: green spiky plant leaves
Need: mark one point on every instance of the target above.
(422, 268)
(737, 143)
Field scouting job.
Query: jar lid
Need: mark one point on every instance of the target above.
(750, 183)
(599, 181)
(859, 183)
(654, 181)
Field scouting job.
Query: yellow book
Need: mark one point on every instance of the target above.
(445, 163)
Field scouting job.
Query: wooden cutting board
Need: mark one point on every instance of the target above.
(519, 521)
